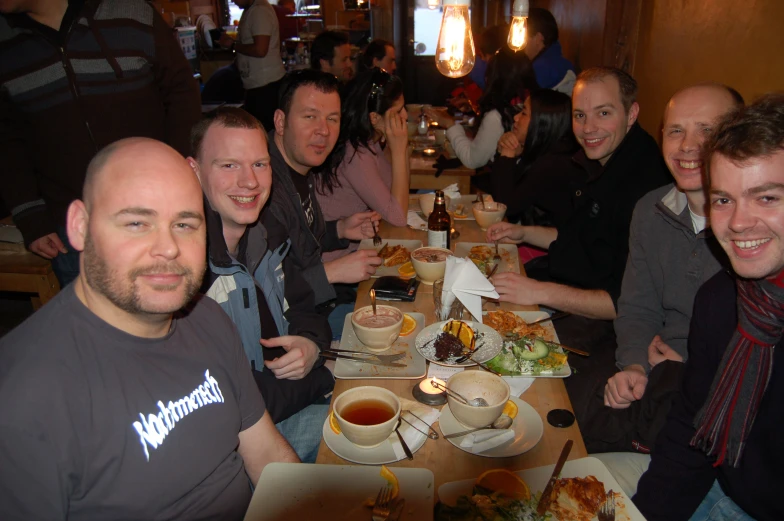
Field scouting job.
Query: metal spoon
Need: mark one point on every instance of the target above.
(373, 300)
(502, 422)
(408, 452)
(483, 202)
(475, 402)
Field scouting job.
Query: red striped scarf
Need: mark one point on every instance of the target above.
(724, 422)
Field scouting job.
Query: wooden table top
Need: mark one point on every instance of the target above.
(421, 165)
(447, 462)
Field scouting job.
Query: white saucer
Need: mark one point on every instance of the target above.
(527, 425)
(380, 455)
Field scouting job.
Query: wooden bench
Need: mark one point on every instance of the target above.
(25, 272)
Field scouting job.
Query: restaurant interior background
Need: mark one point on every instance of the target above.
(665, 44)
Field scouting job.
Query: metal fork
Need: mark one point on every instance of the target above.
(381, 507)
(380, 358)
(376, 238)
(607, 510)
(497, 256)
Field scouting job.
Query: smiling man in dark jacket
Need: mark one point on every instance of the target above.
(75, 76)
(246, 277)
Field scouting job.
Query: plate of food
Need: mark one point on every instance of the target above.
(396, 254)
(501, 494)
(459, 208)
(530, 351)
(338, 492)
(482, 255)
(445, 343)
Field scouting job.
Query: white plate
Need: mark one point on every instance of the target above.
(416, 366)
(527, 425)
(510, 257)
(537, 479)
(382, 271)
(487, 346)
(334, 492)
(379, 455)
(530, 316)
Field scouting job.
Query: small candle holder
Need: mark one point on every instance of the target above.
(429, 152)
(429, 394)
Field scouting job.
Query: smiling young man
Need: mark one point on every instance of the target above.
(246, 277)
(583, 270)
(331, 52)
(719, 454)
(124, 397)
(307, 125)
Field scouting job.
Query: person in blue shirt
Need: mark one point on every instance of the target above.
(553, 71)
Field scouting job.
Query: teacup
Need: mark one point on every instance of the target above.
(429, 270)
(477, 384)
(491, 213)
(427, 201)
(366, 405)
(378, 332)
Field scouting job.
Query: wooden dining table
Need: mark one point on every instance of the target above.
(447, 462)
(423, 175)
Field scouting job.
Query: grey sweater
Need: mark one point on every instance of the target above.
(667, 264)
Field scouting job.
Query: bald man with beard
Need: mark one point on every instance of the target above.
(124, 398)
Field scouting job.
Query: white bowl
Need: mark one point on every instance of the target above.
(429, 272)
(492, 213)
(366, 435)
(427, 201)
(475, 384)
(377, 339)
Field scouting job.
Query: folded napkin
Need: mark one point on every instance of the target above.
(411, 435)
(483, 441)
(518, 385)
(415, 221)
(452, 191)
(464, 280)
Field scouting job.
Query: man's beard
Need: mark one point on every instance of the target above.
(125, 294)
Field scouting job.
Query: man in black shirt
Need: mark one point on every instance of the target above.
(307, 125)
(719, 456)
(123, 397)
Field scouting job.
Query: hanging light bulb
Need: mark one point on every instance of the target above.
(455, 51)
(518, 28)
(432, 4)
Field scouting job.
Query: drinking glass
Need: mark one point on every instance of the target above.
(454, 312)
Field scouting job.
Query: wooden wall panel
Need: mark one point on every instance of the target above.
(684, 42)
(581, 28)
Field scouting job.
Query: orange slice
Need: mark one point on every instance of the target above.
(333, 423)
(406, 270)
(504, 483)
(409, 325)
(391, 479)
(462, 331)
(510, 409)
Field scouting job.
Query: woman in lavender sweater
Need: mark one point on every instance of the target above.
(368, 169)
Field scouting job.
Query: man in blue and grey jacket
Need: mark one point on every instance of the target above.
(281, 332)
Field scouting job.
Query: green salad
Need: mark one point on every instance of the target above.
(528, 355)
(483, 505)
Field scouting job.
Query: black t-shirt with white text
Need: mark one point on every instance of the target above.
(98, 424)
(302, 184)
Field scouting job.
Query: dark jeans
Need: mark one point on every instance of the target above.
(262, 102)
(65, 265)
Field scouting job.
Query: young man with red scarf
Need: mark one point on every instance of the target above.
(720, 454)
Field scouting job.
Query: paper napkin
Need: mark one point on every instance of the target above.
(411, 435)
(518, 385)
(468, 284)
(415, 221)
(482, 441)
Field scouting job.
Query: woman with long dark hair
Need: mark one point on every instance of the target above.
(534, 169)
(368, 168)
(509, 76)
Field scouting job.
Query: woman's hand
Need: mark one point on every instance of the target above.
(509, 146)
(396, 130)
(440, 116)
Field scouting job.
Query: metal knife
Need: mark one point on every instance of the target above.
(332, 356)
(554, 316)
(546, 499)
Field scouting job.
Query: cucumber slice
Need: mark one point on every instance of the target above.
(540, 350)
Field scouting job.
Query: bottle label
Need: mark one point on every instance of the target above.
(436, 239)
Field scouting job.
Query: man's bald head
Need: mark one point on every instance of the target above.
(714, 91)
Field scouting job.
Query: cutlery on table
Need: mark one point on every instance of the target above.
(407, 450)
(554, 316)
(334, 356)
(502, 422)
(497, 256)
(607, 510)
(547, 494)
(515, 336)
(376, 238)
(382, 358)
(433, 435)
(382, 504)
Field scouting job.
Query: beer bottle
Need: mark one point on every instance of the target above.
(439, 224)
